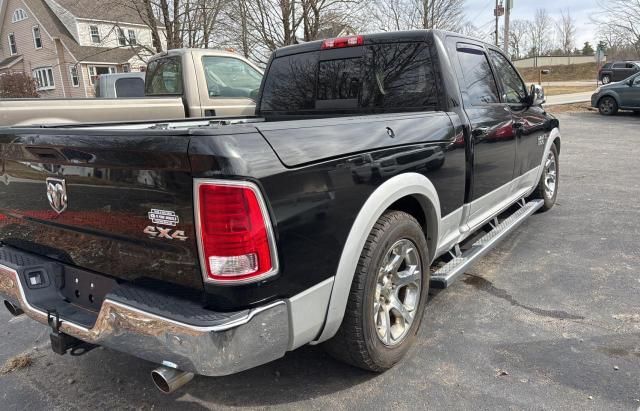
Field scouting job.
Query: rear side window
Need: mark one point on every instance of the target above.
(377, 78)
(402, 77)
(130, 87)
(164, 77)
(480, 86)
(618, 65)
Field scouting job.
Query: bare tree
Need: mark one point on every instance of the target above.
(389, 15)
(622, 19)
(539, 32)
(518, 37)
(566, 31)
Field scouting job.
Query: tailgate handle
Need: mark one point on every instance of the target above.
(46, 153)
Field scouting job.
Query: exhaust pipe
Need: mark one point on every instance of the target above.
(168, 379)
(13, 309)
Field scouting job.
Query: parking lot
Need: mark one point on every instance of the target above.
(549, 320)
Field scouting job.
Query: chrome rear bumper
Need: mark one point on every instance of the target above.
(260, 336)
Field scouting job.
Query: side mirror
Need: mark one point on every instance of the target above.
(536, 95)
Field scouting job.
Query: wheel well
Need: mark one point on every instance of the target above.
(422, 210)
(607, 95)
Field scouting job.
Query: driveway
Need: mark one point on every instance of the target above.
(549, 320)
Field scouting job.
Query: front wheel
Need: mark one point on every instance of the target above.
(607, 106)
(547, 188)
(387, 297)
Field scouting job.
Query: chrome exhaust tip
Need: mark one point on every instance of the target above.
(168, 379)
(13, 309)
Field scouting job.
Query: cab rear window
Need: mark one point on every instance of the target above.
(378, 78)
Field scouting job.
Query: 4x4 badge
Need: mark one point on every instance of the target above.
(57, 194)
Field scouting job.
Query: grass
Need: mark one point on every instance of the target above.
(557, 90)
(585, 71)
(569, 108)
(16, 363)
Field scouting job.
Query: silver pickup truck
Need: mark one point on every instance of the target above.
(179, 83)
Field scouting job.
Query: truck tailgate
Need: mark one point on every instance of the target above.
(109, 202)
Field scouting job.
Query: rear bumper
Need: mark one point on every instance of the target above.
(252, 338)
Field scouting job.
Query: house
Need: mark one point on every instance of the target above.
(66, 44)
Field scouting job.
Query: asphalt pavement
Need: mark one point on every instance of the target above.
(548, 320)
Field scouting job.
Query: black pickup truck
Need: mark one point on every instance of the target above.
(376, 166)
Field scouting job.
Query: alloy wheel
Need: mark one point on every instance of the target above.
(397, 292)
(550, 175)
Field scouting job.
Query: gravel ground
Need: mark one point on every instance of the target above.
(549, 320)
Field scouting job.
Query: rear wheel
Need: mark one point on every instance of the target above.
(547, 188)
(388, 295)
(607, 106)
(606, 79)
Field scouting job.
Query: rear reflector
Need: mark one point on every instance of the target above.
(234, 235)
(342, 42)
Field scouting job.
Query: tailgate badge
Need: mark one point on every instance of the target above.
(57, 194)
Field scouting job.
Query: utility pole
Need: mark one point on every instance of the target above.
(507, 11)
(497, 14)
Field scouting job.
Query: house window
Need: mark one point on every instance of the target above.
(18, 15)
(37, 40)
(126, 68)
(132, 38)
(95, 34)
(73, 74)
(44, 78)
(97, 71)
(122, 40)
(13, 49)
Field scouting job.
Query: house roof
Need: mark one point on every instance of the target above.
(10, 61)
(121, 11)
(55, 28)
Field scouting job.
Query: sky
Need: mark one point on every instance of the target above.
(480, 12)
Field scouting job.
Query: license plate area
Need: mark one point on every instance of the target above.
(86, 289)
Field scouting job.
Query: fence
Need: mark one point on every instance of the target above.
(554, 61)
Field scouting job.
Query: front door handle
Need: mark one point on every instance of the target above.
(480, 131)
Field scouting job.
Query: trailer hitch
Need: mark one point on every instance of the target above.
(61, 342)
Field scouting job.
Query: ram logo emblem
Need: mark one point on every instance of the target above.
(57, 194)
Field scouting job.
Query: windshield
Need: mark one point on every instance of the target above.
(230, 77)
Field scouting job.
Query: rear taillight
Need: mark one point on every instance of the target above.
(235, 238)
(342, 42)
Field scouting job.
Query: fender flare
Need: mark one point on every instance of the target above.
(554, 135)
(609, 94)
(385, 195)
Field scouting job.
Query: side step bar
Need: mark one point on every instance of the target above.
(448, 273)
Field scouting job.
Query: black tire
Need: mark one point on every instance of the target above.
(357, 341)
(607, 106)
(541, 191)
(606, 79)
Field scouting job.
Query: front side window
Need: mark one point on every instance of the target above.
(230, 77)
(132, 38)
(44, 78)
(37, 40)
(95, 34)
(514, 89)
(73, 75)
(122, 40)
(164, 77)
(13, 48)
(479, 85)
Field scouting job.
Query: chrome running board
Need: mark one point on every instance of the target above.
(448, 273)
